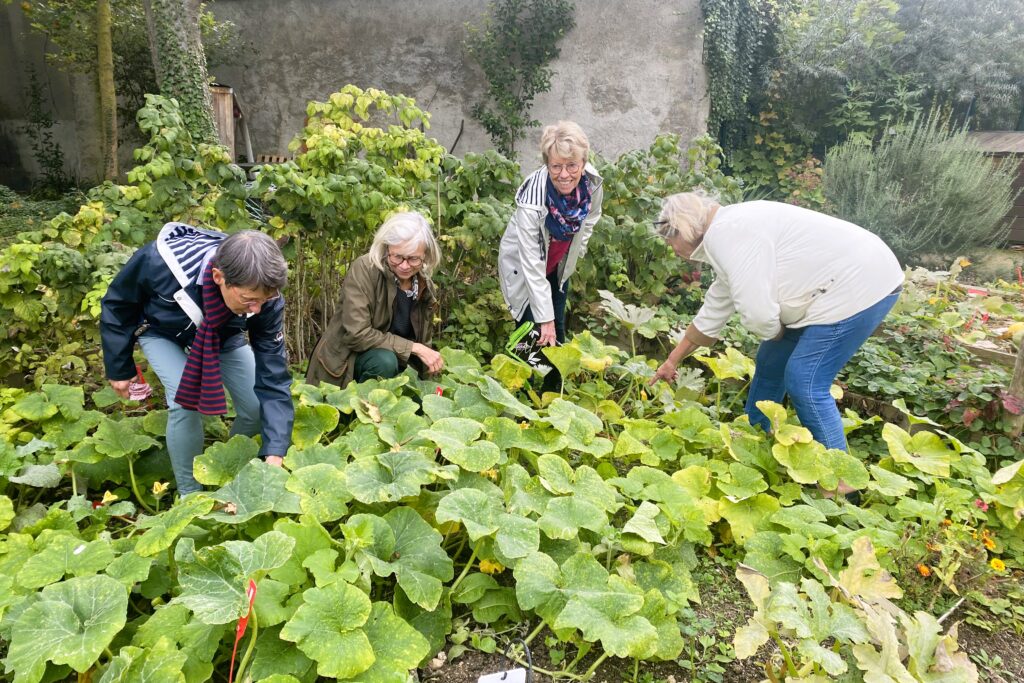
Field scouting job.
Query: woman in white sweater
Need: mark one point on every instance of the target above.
(812, 286)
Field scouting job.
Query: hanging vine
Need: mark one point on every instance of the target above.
(739, 43)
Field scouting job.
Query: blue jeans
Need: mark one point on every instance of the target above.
(558, 299)
(185, 427)
(803, 365)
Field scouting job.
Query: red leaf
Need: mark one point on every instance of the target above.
(970, 415)
(1012, 404)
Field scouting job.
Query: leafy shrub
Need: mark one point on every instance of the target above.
(925, 188)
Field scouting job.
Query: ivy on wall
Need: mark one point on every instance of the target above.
(739, 44)
(514, 46)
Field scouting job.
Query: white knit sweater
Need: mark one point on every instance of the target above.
(778, 264)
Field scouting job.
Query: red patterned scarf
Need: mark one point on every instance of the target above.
(201, 387)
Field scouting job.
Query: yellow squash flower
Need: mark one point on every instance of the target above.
(997, 564)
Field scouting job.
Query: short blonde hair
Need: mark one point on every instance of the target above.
(687, 215)
(399, 229)
(565, 139)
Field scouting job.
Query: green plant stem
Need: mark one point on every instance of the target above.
(254, 624)
(738, 394)
(135, 488)
(636, 669)
(172, 565)
(535, 632)
(593, 667)
(786, 656)
(465, 571)
(74, 482)
(554, 675)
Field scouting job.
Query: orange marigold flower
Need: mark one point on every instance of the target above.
(933, 547)
(997, 564)
(989, 543)
(947, 522)
(924, 570)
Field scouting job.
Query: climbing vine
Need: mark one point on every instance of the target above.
(514, 46)
(739, 41)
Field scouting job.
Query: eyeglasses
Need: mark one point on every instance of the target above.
(255, 301)
(660, 227)
(396, 260)
(556, 169)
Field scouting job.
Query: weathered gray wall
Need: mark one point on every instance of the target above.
(629, 70)
(71, 100)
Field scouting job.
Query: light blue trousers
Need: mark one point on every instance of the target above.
(185, 427)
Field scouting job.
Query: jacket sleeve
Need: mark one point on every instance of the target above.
(714, 313)
(360, 300)
(529, 226)
(273, 381)
(121, 312)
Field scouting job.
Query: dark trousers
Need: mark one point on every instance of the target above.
(558, 299)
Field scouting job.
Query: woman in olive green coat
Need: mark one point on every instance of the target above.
(385, 317)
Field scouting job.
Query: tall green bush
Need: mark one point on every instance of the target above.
(926, 188)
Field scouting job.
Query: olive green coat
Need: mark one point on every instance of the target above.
(362, 322)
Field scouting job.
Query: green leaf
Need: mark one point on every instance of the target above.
(565, 516)
(565, 358)
(276, 659)
(413, 553)
(257, 489)
(644, 523)
(6, 512)
(120, 438)
(38, 476)
(500, 396)
(222, 462)
(748, 516)
(889, 483)
(480, 513)
(214, 579)
(163, 663)
(334, 454)
(35, 407)
(322, 490)
(390, 477)
(730, 365)
(512, 374)
(164, 528)
(327, 628)
(456, 437)
(63, 555)
(741, 482)
(924, 451)
(312, 422)
(864, 577)
(129, 569)
(397, 646)
(71, 623)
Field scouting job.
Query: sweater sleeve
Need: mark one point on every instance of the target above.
(121, 313)
(273, 380)
(750, 265)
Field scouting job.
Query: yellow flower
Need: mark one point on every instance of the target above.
(924, 570)
(491, 474)
(989, 543)
(964, 262)
(997, 564)
(160, 488)
(109, 497)
(491, 567)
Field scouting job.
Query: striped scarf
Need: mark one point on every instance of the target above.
(201, 387)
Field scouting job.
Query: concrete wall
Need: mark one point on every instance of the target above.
(628, 71)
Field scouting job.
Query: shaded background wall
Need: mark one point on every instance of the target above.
(629, 70)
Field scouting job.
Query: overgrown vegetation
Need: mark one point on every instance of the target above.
(514, 46)
(922, 188)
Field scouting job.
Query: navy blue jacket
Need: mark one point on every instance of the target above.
(142, 295)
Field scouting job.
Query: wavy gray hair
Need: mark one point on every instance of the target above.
(250, 258)
(686, 214)
(400, 228)
(566, 139)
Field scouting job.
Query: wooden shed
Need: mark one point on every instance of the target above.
(1001, 144)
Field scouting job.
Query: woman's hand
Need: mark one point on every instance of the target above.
(275, 460)
(547, 334)
(120, 387)
(666, 371)
(431, 358)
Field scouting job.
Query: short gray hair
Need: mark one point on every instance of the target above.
(408, 226)
(566, 139)
(686, 214)
(250, 258)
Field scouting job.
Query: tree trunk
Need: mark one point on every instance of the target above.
(108, 95)
(1016, 389)
(180, 63)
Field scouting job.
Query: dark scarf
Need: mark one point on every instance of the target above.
(201, 387)
(566, 214)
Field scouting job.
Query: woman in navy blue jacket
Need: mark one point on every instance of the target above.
(189, 298)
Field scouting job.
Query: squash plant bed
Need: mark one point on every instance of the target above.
(412, 517)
